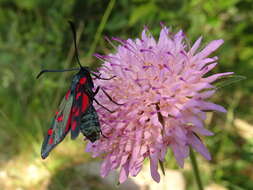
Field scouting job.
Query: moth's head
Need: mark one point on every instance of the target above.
(85, 70)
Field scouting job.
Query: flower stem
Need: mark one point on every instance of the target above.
(101, 27)
(195, 170)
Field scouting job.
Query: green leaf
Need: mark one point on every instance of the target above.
(227, 80)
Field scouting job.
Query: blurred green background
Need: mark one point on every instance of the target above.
(34, 34)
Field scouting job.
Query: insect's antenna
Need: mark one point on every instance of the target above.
(73, 28)
(47, 71)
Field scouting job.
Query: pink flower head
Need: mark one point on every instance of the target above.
(163, 88)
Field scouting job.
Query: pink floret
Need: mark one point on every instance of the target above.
(164, 89)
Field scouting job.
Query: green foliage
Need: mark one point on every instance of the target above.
(35, 35)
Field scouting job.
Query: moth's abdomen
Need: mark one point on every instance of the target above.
(90, 126)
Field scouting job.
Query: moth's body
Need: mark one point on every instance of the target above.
(76, 113)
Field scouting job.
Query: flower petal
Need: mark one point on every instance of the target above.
(198, 145)
(211, 47)
(196, 45)
(154, 167)
(124, 172)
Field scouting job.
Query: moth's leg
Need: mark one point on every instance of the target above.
(96, 91)
(103, 134)
(110, 98)
(101, 78)
(102, 106)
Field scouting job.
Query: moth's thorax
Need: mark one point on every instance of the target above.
(83, 77)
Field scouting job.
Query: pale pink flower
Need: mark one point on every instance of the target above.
(164, 87)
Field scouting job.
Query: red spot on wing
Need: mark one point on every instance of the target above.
(51, 140)
(74, 109)
(60, 118)
(78, 95)
(77, 112)
(85, 102)
(82, 80)
(50, 132)
(69, 122)
(67, 95)
(73, 125)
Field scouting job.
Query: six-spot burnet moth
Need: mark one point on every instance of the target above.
(76, 112)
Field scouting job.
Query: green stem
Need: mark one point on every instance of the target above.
(195, 170)
(101, 27)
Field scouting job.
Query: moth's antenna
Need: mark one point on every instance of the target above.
(64, 70)
(73, 28)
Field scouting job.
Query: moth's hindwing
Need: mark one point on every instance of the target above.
(60, 126)
(90, 126)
